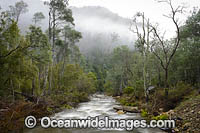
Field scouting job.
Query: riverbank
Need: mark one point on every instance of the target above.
(12, 115)
(99, 105)
(186, 113)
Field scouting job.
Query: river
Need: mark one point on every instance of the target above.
(99, 105)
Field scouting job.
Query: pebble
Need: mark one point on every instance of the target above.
(120, 112)
(199, 112)
(176, 130)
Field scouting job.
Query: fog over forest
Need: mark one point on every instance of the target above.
(71, 64)
(101, 29)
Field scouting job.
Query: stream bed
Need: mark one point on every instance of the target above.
(99, 105)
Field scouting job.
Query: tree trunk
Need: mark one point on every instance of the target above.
(39, 78)
(33, 86)
(166, 82)
(45, 78)
(144, 76)
(33, 81)
(159, 77)
(13, 91)
(50, 78)
(53, 54)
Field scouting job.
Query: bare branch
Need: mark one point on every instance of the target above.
(159, 58)
(167, 16)
(9, 53)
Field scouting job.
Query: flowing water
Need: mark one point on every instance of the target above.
(99, 105)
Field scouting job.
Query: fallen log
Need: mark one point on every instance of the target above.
(127, 109)
(131, 109)
(117, 108)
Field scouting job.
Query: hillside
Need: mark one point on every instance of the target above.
(96, 24)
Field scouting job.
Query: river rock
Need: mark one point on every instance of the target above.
(186, 126)
(176, 130)
(120, 112)
(161, 109)
(155, 113)
(118, 97)
(199, 112)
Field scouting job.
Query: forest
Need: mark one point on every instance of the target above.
(43, 71)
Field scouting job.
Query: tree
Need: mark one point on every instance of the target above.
(59, 16)
(186, 61)
(9, 33)
(120, 68)
(168, 48)
(16, 71)
(38, 52)
(38, 17)
(16, 11)
(143, 34)
(67, 47)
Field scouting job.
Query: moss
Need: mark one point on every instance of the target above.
(123, 101)
(130, 104)
(128, 90)
(49, 109)
(144, 113)
(161, 117)
(127, 102)
(66, 106)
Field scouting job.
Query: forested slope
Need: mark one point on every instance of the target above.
(46, 70)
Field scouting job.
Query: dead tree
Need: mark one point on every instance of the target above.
(167, 49)
(142, 30)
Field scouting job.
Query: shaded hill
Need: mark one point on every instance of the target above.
(97, 24)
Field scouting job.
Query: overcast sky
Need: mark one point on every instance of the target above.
(151, 8)
(127, 8)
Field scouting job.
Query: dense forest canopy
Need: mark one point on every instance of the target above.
(35, 61)
(49, 59)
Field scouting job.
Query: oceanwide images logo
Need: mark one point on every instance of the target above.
(95, 122)
(30, 122)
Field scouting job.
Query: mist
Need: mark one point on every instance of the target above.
(97, 25)
(101, 29)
